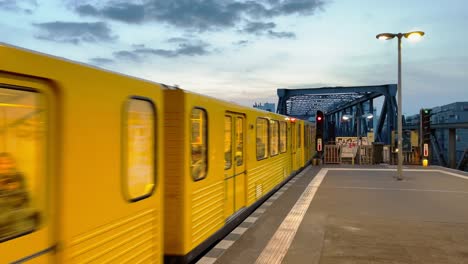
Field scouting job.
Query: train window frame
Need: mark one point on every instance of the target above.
(299, 141)
(267, 143)
(230, 142)
(206, 129)
(42, 212)
(270, 137)
(241, 141)
(124, 156)
(285, 145)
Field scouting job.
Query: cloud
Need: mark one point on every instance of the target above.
(101, 61)
(261, 28)
(177, 40)
(198, 15)
(126, 55)
(74, 32)
(241, 43)
(283, 34)
(184, 48)
(26, 6)
(258, 27)
(126, 12)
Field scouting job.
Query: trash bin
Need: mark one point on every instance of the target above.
(378, 152)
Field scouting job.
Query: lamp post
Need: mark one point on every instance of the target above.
(414, 35)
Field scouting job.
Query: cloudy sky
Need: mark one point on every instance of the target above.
(243, 50)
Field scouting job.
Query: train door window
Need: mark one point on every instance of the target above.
(227, 142)
(298, 136)
(239, 141)
(23, 161)
(282, 146)
(198, 142)
(262, 138)
(139, 152)
(274, 137)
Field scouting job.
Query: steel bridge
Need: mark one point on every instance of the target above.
(355, 103)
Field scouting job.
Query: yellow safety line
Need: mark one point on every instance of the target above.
(279, 244)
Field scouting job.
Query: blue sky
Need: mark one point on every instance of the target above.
(242, 50)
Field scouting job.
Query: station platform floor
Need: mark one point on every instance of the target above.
(356, 214)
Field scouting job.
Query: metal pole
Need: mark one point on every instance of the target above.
(400, 122)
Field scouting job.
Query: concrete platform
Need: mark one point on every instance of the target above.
(356, 215)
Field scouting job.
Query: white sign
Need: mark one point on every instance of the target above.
(426, 150)
(319, 144)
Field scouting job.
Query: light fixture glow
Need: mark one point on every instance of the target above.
(385, 36)
(414, 36)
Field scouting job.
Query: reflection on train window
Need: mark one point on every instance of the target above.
(227, 142)
(22, 162)
(262, 138)
(274, 139)
(239, 141)
(140, 149)
(283, 133)
(298, 136)
(199, 144)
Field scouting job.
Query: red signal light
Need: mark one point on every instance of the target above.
(319, 118)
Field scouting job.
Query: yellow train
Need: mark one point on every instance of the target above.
(97, 167)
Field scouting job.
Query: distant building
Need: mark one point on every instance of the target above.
(270, 107)
(450, 113)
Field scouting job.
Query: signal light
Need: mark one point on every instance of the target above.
(425, 131)
(319, 130)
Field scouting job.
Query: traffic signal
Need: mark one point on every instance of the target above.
(319, 120)
(425, 121)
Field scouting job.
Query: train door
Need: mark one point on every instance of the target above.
(26, 171)
(293, 146)
(234, 166)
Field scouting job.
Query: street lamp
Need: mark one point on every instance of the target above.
(413, 35)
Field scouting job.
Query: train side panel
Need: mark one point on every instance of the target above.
(265, 170)
(102, 193)
(218, 136)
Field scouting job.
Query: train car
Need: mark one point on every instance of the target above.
(222, 160)
(81, 163)
(309, 142)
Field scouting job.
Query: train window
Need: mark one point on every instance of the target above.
(139, 152)
(199, 161)
(274, 137)
(22, 162)
(239, 141)
(262, 138)
(227, 142)
(298, 136)
(282, 146)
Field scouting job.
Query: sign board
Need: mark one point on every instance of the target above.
(426, 150)
(319, 144)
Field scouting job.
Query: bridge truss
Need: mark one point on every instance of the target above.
(355, 103)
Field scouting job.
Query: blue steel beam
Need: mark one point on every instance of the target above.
(303, 103)
(382, 89)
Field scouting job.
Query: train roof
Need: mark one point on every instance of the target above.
(5, 47)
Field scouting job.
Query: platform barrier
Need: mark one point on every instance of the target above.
(348, 154)
(332, 154)
(366, 155)
(386, 154)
